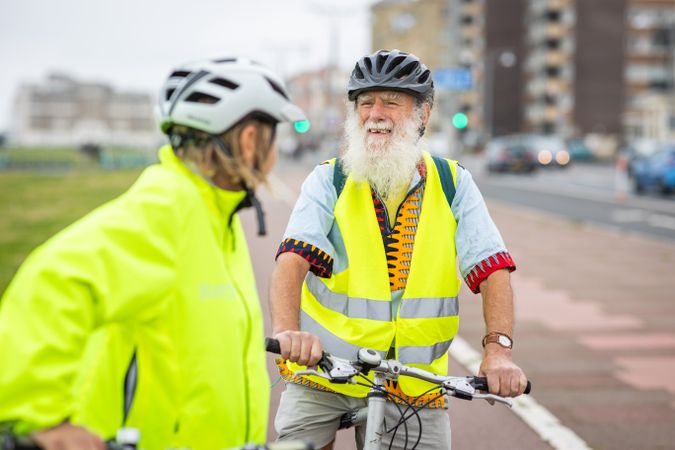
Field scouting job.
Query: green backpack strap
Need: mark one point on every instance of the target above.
(338, 176)
(442, 166)
(448, 184)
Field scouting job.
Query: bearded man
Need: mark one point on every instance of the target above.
(369, 259)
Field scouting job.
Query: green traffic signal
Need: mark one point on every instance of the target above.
(460, 120)
(302, 126)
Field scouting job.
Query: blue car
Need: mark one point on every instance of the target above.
(656, 171)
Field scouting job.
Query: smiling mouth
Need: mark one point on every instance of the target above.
(378, 131)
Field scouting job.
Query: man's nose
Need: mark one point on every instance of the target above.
(377, 112)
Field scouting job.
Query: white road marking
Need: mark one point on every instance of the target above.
(640, 215)
(545, 424)
(628, 215)
(663, 221)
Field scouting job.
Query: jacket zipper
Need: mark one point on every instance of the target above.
(242, 299)
(130, 383)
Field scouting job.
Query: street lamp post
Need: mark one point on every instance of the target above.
(497, 57)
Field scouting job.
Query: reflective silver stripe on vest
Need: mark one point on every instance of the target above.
(355, 308)
(330, 343)
(428, 308)
(424, 354)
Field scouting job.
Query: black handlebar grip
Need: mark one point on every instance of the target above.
(481, 384)
(11, 442)
(272, 345)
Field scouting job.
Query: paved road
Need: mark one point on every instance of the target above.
(595, 332)
(584, 193)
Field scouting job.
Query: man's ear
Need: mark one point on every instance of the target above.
(426, 108)
(248, 143)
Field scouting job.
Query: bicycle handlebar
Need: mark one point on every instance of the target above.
(338, 370)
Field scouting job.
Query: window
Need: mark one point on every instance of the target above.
(552, 71)
(553, 44)
(467, 20)
(553, 16)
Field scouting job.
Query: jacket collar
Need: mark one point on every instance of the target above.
(220, 202)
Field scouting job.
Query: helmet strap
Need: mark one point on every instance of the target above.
(250, 199)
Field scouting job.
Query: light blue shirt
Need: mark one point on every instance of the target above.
(312, 220)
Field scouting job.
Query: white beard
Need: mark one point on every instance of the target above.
(388, 161)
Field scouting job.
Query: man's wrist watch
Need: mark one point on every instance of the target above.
(498, 338)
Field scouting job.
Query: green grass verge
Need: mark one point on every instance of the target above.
(35, 206)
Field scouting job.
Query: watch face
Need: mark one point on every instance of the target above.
(504, 341)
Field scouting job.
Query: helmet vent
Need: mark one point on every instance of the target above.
(200, 97)
(179, 74)
(277, 88)
(406, 70)
(379, 61)
(358, 73)
(169, 93)
(224, 83)
(369, 64)
(224, 60)
(425, 76)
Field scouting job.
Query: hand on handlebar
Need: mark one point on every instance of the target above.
(299, 347)
(68, 436)
(505, 378)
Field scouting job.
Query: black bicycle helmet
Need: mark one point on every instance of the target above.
(391, 70)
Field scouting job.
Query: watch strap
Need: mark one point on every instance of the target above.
(494, 336)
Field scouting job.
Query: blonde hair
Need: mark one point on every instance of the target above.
(202, 151)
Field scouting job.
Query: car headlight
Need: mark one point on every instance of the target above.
(545, 157)
(562, 157)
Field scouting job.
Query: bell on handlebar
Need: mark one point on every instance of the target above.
(369, 357)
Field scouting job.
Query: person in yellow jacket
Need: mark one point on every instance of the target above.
(371, 256)
(144, 314)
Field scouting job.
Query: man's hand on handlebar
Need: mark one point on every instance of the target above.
(68, 436)
(505, 378)
(299, 347)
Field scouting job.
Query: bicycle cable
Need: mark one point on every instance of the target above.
(415, 411)
(401, 421)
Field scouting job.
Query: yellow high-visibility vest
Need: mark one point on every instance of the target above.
(352, 309)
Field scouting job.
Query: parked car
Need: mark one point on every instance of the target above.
(579, 151)
(548, 150)
(656, 171)
(503, 155)
(551, 150)
(638, 151)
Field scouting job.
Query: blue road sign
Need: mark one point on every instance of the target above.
(453, 79)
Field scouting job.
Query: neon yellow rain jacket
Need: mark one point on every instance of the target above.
(151, 298)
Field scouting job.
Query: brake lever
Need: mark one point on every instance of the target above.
(460, 388)
(336, 370)
(491, 398)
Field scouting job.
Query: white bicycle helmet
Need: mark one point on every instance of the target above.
(215, 95)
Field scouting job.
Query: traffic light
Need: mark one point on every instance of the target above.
(460, 120)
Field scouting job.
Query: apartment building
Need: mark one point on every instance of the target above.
(549, 67)
(62, 111)
(419, 27)
(650, 70)
(600, 66)
(322, 94)
(566, 67)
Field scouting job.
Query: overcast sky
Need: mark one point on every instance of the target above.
(134, 43)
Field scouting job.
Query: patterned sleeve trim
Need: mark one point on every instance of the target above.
(321, 263)
(482, 270)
